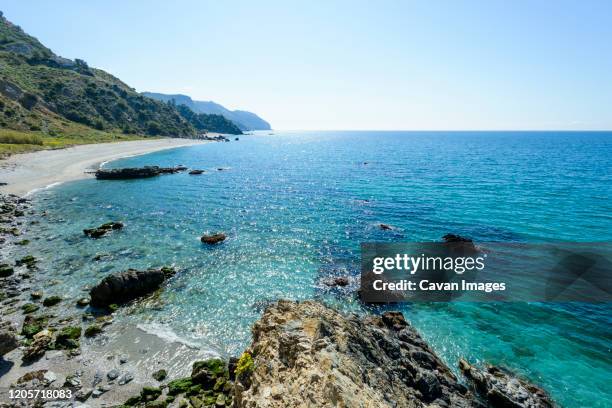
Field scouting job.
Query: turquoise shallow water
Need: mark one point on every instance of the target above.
(296, 206)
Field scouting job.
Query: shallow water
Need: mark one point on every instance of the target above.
(296, 206)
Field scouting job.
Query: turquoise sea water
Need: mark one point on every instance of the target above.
(296, 206)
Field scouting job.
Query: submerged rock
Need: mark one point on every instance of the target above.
(123, 287)
(500, 388)
(103, 229)
(213, 238)
(385, 227)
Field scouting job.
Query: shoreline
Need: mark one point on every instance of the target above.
(26, 173)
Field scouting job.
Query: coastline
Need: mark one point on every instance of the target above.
(27, 172)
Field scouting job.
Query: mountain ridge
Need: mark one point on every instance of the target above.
(245, 120)
(50, 101)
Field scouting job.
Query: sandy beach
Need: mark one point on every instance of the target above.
(28, 172)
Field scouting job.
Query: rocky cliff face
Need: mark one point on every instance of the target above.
(308, 355)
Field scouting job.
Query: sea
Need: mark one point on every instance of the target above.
(296, 206)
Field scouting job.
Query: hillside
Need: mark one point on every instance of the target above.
(243, 119)
(48, 101)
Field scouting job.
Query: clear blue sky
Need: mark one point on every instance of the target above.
(351, 64)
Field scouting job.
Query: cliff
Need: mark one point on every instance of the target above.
(306, 354)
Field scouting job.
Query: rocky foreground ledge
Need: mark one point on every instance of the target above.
(306, 354)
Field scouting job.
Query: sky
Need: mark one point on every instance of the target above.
(387, 65)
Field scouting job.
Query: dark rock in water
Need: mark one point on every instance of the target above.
(172, 170)
(195, 172)
(29, 261)
(337, 281)
(103, 229)
(500, 388)
(6, 270)
(123, 287)
(213, 239)
(459, 245)
(455, 238)
(8, 342)
(128, 173)
(385, 227)
(379, 359)
(51, 301)
(237, 139)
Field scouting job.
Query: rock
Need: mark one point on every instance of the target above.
(309, 352)
(97, 393)
(150, 393)
(123, 358)
(500, 388)
(93, 330)
(213, 238)
(82, 302)
(72, 381)
(338, 281)
(112, 374)
(125, 378)
(29, 261)
(83, 394)
(103, 229)
(29, 308)
(127, 173)
(6, 270)
(32, 325)
(160, 375)
(68, 337)
(41, 343)
(195, 172)
(120, 288)
(8, 342)
(49, 377)
(51, 301)
(207, 372)
(459, 245)
(36, 295)
(385, 227)
(32, 375)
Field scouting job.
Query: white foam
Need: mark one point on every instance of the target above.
(165, 333)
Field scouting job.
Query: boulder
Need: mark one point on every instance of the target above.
(41, 343)
(501, 388)
(213, 238)
(337, 281)
(103, 229)
(8, 342)
(195, 172)
(122, 287)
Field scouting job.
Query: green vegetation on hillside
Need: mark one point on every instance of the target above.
(53, 101)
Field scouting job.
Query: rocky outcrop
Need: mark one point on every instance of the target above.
(123, 287)
(500, 388)
(306, 354)
(136, 172)
(213, 238)
(103, 229)
(196, 172)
